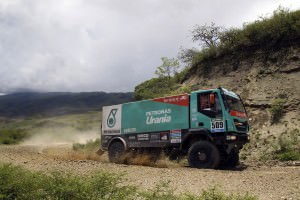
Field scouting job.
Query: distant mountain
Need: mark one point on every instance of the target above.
(57, 103)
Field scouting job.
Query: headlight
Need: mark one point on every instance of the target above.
(231, 137)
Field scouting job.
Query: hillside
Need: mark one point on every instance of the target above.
(262, 78)
(57, 103)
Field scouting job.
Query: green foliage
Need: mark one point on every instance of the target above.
(277, 110)
(90, 145)
(186, 55)
(155, 87)
(18, 183)
(168, 68)
(161, 191)
(12, 136)
(162, 86)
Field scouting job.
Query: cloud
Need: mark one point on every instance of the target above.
(107, 45)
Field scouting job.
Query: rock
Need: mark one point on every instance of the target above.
(296, 163)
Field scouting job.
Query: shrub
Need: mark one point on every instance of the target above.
(277, 110)
(285, 148)
(12, 136)
(288, 146)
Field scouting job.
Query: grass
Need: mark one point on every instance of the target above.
(19, 183)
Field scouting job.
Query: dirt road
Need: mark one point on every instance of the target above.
(265, 182)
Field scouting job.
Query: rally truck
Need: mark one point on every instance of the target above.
(208, 127)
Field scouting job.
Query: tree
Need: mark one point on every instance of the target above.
(207, 35)
(168, 68)
(186, 55)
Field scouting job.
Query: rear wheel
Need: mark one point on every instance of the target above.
(116, 152)
(203, 154)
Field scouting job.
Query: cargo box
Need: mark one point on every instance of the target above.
(160, 114)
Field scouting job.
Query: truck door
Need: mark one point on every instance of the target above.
(206, 111)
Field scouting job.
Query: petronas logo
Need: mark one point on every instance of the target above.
(111, 119)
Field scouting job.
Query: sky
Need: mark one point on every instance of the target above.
(105, 45)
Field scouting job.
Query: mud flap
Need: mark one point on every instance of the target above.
(100, 152)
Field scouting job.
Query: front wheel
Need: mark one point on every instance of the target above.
(116, 152)
(203, 154)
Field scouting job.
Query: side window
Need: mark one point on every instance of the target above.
(209, 104)
(203, 102)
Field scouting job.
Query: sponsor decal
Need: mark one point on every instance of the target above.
(132, 137)
(111, 119)
(129, 130)
(238, 114)
(155, 136)
(175, 136)
(164, 136)
(158, 116)
(111, 124)
(217, 125)
(111, 131)
(143, 137)
(180, 100)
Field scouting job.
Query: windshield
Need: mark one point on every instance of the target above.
(235, 104)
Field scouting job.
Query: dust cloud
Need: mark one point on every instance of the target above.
(47, 138)
(58, 143)
(151, 160)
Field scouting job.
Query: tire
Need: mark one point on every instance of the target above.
(203, 155)
(116, 152)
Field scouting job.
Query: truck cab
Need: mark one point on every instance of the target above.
(219, 120)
